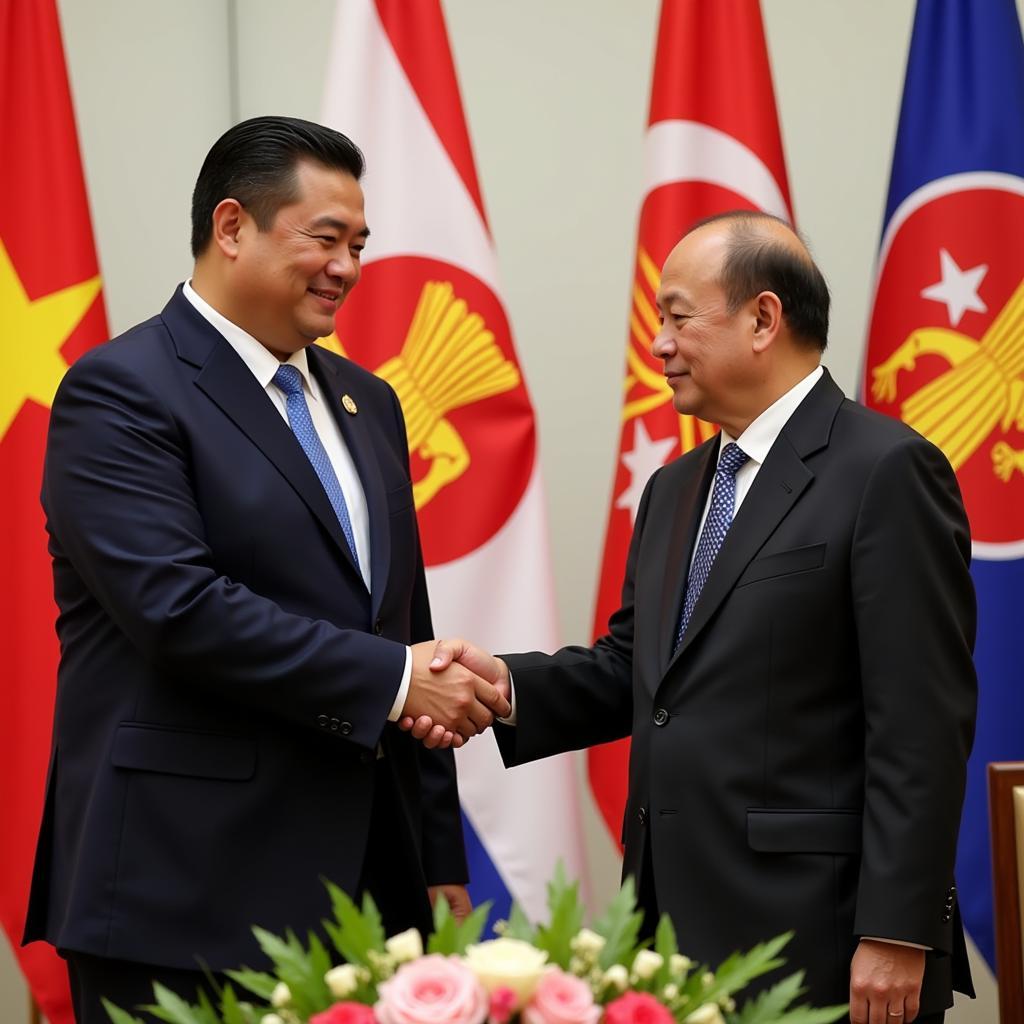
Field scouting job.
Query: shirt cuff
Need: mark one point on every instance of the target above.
(511, 720)
(896, 942)
(403, 688)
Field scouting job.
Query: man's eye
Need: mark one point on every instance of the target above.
(329, 239)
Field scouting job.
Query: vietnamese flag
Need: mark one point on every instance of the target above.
(712, 145)
(50, 312)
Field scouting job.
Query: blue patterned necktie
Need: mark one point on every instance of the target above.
(716, 526)
(289, 380)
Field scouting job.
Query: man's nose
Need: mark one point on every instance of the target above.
(662, 346)
(344, 267)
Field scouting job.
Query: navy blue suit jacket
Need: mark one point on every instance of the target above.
(225, 676)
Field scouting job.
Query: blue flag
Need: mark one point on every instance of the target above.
(949, 290)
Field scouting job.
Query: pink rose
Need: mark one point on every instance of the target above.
(561, 998)
(637, 1008)
(503, 1002)
(345, 1013)
(434, 989)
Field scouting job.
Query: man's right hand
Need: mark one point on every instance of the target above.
(447, 655)
(457, 701)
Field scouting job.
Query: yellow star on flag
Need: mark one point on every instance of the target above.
(31, 336)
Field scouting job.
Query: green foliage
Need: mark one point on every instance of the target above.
(740, 969)
(620, 927)
(450, 937)
(519, 927)
(118, 1016)
(354, 934)
(566, 919)
(771, 1006)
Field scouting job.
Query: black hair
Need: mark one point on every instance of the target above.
(254, 162)
(755, 262)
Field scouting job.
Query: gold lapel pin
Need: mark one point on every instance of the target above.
(349, 403)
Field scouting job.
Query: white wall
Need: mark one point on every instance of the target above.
(556, 95)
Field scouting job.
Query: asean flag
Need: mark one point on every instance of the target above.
(946, 345)
(428, 318)
(712, 145)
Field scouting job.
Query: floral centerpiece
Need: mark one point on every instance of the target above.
(555, 973)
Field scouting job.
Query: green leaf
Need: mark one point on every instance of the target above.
(117, 1015)
(172, 1008)
(620, 927)
(666, 946)
(814, 1015)
(472, 928)
(566, 919)
(355, 933)
(740, 969)
(257, 982)
(768, 1006)
(518, 926)
(230, 1009)
(446, 929)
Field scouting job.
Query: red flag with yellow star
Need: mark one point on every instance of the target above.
(712, 145)
(50, 312)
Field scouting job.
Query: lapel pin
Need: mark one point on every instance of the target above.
(349, 403)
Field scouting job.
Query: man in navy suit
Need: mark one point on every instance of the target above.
(243, 609)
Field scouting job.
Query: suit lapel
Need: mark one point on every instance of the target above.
(227, 381)
(356, 430)
(779, 483)
(693, 487)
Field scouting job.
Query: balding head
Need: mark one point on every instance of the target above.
(762, 253)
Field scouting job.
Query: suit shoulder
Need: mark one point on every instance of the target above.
(136, 351)
(873, 432)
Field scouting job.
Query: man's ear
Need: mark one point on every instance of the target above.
(767, 320)
(228, 218)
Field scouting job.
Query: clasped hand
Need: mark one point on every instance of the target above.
(456, 691)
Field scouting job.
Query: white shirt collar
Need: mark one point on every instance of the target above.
(759, 437)
(261, 361)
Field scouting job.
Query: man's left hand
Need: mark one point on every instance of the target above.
(457, 897)
(885, 983)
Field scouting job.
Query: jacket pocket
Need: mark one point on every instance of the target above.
(784, 563)
(154, 748)
(771, 830)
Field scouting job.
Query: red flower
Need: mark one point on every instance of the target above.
(503, 1002)
(634, 1008)
(345, 1013)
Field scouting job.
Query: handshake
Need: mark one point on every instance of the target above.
(456, 691)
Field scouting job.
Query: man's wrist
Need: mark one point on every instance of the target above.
(403, 688)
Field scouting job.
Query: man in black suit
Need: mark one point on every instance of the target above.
(792, 656)
(243, 609)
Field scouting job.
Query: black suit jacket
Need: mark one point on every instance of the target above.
(799, 762)
(225, 676)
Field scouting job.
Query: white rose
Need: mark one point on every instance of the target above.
(587, 942)
(617, 976)
(271, 1018)
(405, 945)
(647, 962)
(679, 964)
(281, 996)
(342, 980)
(511, 963)
(709, 1013)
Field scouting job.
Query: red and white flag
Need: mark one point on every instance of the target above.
(50, 312)
(428, 318)
(712, 145)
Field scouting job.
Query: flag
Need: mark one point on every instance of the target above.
(428, 318)
(712, 145)
(945, 346)
(50, 312)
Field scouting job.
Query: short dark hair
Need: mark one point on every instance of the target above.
(254, 162)
(756, 261)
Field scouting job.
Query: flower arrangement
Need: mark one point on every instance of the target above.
(555, 973)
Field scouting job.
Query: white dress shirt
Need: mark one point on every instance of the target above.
(263, 364)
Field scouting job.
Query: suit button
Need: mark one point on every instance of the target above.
(661, 717)
(334, 724)
(952, 890)
(378, 628)
(323, 721)
(945, 918)
(642, 815)
(346, 728)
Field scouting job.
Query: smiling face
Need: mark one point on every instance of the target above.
(709, 353)
(288, 282)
